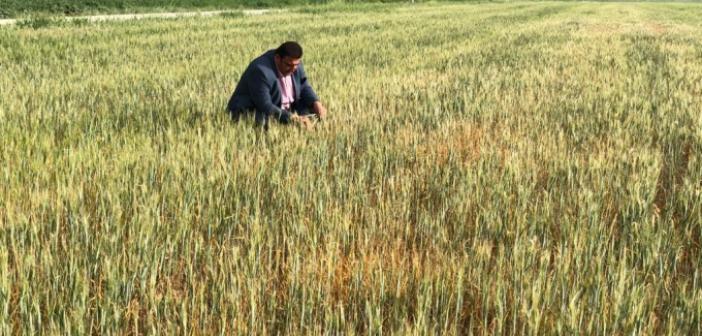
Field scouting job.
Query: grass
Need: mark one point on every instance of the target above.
(522, 168)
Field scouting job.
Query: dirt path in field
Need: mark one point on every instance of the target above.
(122, 17)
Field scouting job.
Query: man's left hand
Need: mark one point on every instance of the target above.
(319, 110)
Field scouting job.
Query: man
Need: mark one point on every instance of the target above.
(275, 85)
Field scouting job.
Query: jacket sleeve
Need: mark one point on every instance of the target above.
(307, 94)
(260, 91)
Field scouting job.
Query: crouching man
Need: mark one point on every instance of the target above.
(275, 86)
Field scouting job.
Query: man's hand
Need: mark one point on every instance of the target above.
(303, 122)
(319, 110)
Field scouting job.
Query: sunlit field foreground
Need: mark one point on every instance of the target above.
(527, 168)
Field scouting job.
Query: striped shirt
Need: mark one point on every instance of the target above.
(287, 92)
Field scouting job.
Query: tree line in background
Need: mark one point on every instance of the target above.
(13, 8)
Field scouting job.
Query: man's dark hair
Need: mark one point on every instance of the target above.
(289, 49)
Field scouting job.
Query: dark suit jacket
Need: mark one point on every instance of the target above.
(259, 90)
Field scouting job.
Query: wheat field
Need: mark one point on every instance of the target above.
(506, 168)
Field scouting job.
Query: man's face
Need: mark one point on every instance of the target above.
(286, 65)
